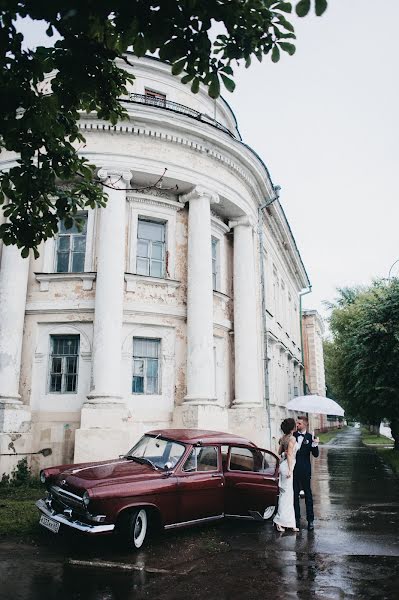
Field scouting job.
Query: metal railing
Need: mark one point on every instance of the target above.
(177, 108)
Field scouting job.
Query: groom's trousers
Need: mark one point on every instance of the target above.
(302, 482)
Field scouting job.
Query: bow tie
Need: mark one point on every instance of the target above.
(301, 434)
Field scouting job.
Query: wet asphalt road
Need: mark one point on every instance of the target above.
(353, 552)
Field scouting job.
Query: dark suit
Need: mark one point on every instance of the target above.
(302, 476)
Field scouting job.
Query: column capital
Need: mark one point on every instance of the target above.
(244, 221)
(119, 178)
(199, 192)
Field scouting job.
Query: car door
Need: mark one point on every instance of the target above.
(201, 485)
(251, 480)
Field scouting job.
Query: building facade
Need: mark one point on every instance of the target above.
(313, 358)
(177, 305)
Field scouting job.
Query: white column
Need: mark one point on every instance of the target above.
(246, 330)
(108, 309)
(13, 286)
(200, 367)
(103, 432)
(15, 417)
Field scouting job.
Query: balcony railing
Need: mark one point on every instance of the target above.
(177, 108)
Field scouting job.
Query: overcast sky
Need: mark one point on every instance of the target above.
(326, 123)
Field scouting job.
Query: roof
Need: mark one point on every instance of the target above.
(193, 436)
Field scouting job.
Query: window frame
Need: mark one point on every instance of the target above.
(145, 392)
(215, 244)
(149, 258)
(71, 235)
(251, 449)
(63, 371)
(198, 448)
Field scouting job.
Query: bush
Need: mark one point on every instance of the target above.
(21, 477)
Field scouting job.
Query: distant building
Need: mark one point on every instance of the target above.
(156, 314)
(313, 357)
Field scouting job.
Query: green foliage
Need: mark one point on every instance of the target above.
(21, 477)
(361, 361)
(51, 180)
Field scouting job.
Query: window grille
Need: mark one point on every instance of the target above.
(146, 366)
(71, 248)
(64, 362)
(150, 248)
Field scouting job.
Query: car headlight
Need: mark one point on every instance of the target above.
(86, 499)
(42, 477)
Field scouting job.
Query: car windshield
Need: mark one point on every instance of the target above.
(161, 453)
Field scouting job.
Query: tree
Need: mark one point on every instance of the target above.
(51, 181)
(363, 356)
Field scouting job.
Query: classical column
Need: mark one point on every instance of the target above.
(246, 328)
(200, 367)
(103, 431)
(108, 308)
(13, 285)
(14, 416)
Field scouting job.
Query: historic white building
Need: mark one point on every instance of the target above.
(176, 305)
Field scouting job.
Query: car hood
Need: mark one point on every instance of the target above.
(105, 473)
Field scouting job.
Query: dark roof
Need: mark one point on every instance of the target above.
(193, 436)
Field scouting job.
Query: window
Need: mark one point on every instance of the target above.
(202, 459)
(155, 98)
(71, 248)
(146, 366)
(248, 459)
(215, 262)
(163, 453)
(64, 362)
(150, 248)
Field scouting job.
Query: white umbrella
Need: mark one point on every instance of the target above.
(316, 404)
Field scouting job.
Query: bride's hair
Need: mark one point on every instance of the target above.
(287, 425)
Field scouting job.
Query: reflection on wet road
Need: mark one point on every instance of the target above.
(353, 552)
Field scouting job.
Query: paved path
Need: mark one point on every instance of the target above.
(353, 552)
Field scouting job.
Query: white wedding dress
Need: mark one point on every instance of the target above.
(285, 516)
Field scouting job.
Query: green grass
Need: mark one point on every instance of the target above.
(372, 439)
(391, 457)
(18, 514)
(329, 435)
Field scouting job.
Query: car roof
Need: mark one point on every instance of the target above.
(193, 436)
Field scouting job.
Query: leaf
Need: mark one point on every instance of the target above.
(25, 252)
(214, 88)
(178, 66)
(290, 48)
(275, 54)
(321, 7)
(286, 24)
(229, 84)
(195, 85)
(302, 8)
(284, 6)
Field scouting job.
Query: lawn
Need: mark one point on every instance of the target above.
(391, 457)
(372, 439)
(18, 513)
(329, 435)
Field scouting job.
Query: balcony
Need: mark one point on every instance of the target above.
(176, 108)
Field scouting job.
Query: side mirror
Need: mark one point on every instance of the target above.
(168, 465)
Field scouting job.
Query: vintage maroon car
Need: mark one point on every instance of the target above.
(170, 478)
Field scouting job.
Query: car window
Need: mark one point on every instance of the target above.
(204, 458)
(163, 453)
(252, 459)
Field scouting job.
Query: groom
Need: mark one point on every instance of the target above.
(307, 445)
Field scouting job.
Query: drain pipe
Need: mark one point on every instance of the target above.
(306, 291)
(261, 223)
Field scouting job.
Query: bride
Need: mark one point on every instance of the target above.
(285, 517)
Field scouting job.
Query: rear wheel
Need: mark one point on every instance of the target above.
(133, 528)
(269, 512)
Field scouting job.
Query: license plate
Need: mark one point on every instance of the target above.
(49, 524)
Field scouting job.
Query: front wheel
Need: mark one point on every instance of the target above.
(133, 528)
(269, 512)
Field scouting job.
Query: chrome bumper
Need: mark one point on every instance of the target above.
(74, 524)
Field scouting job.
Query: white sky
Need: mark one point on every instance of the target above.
(325, 121)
